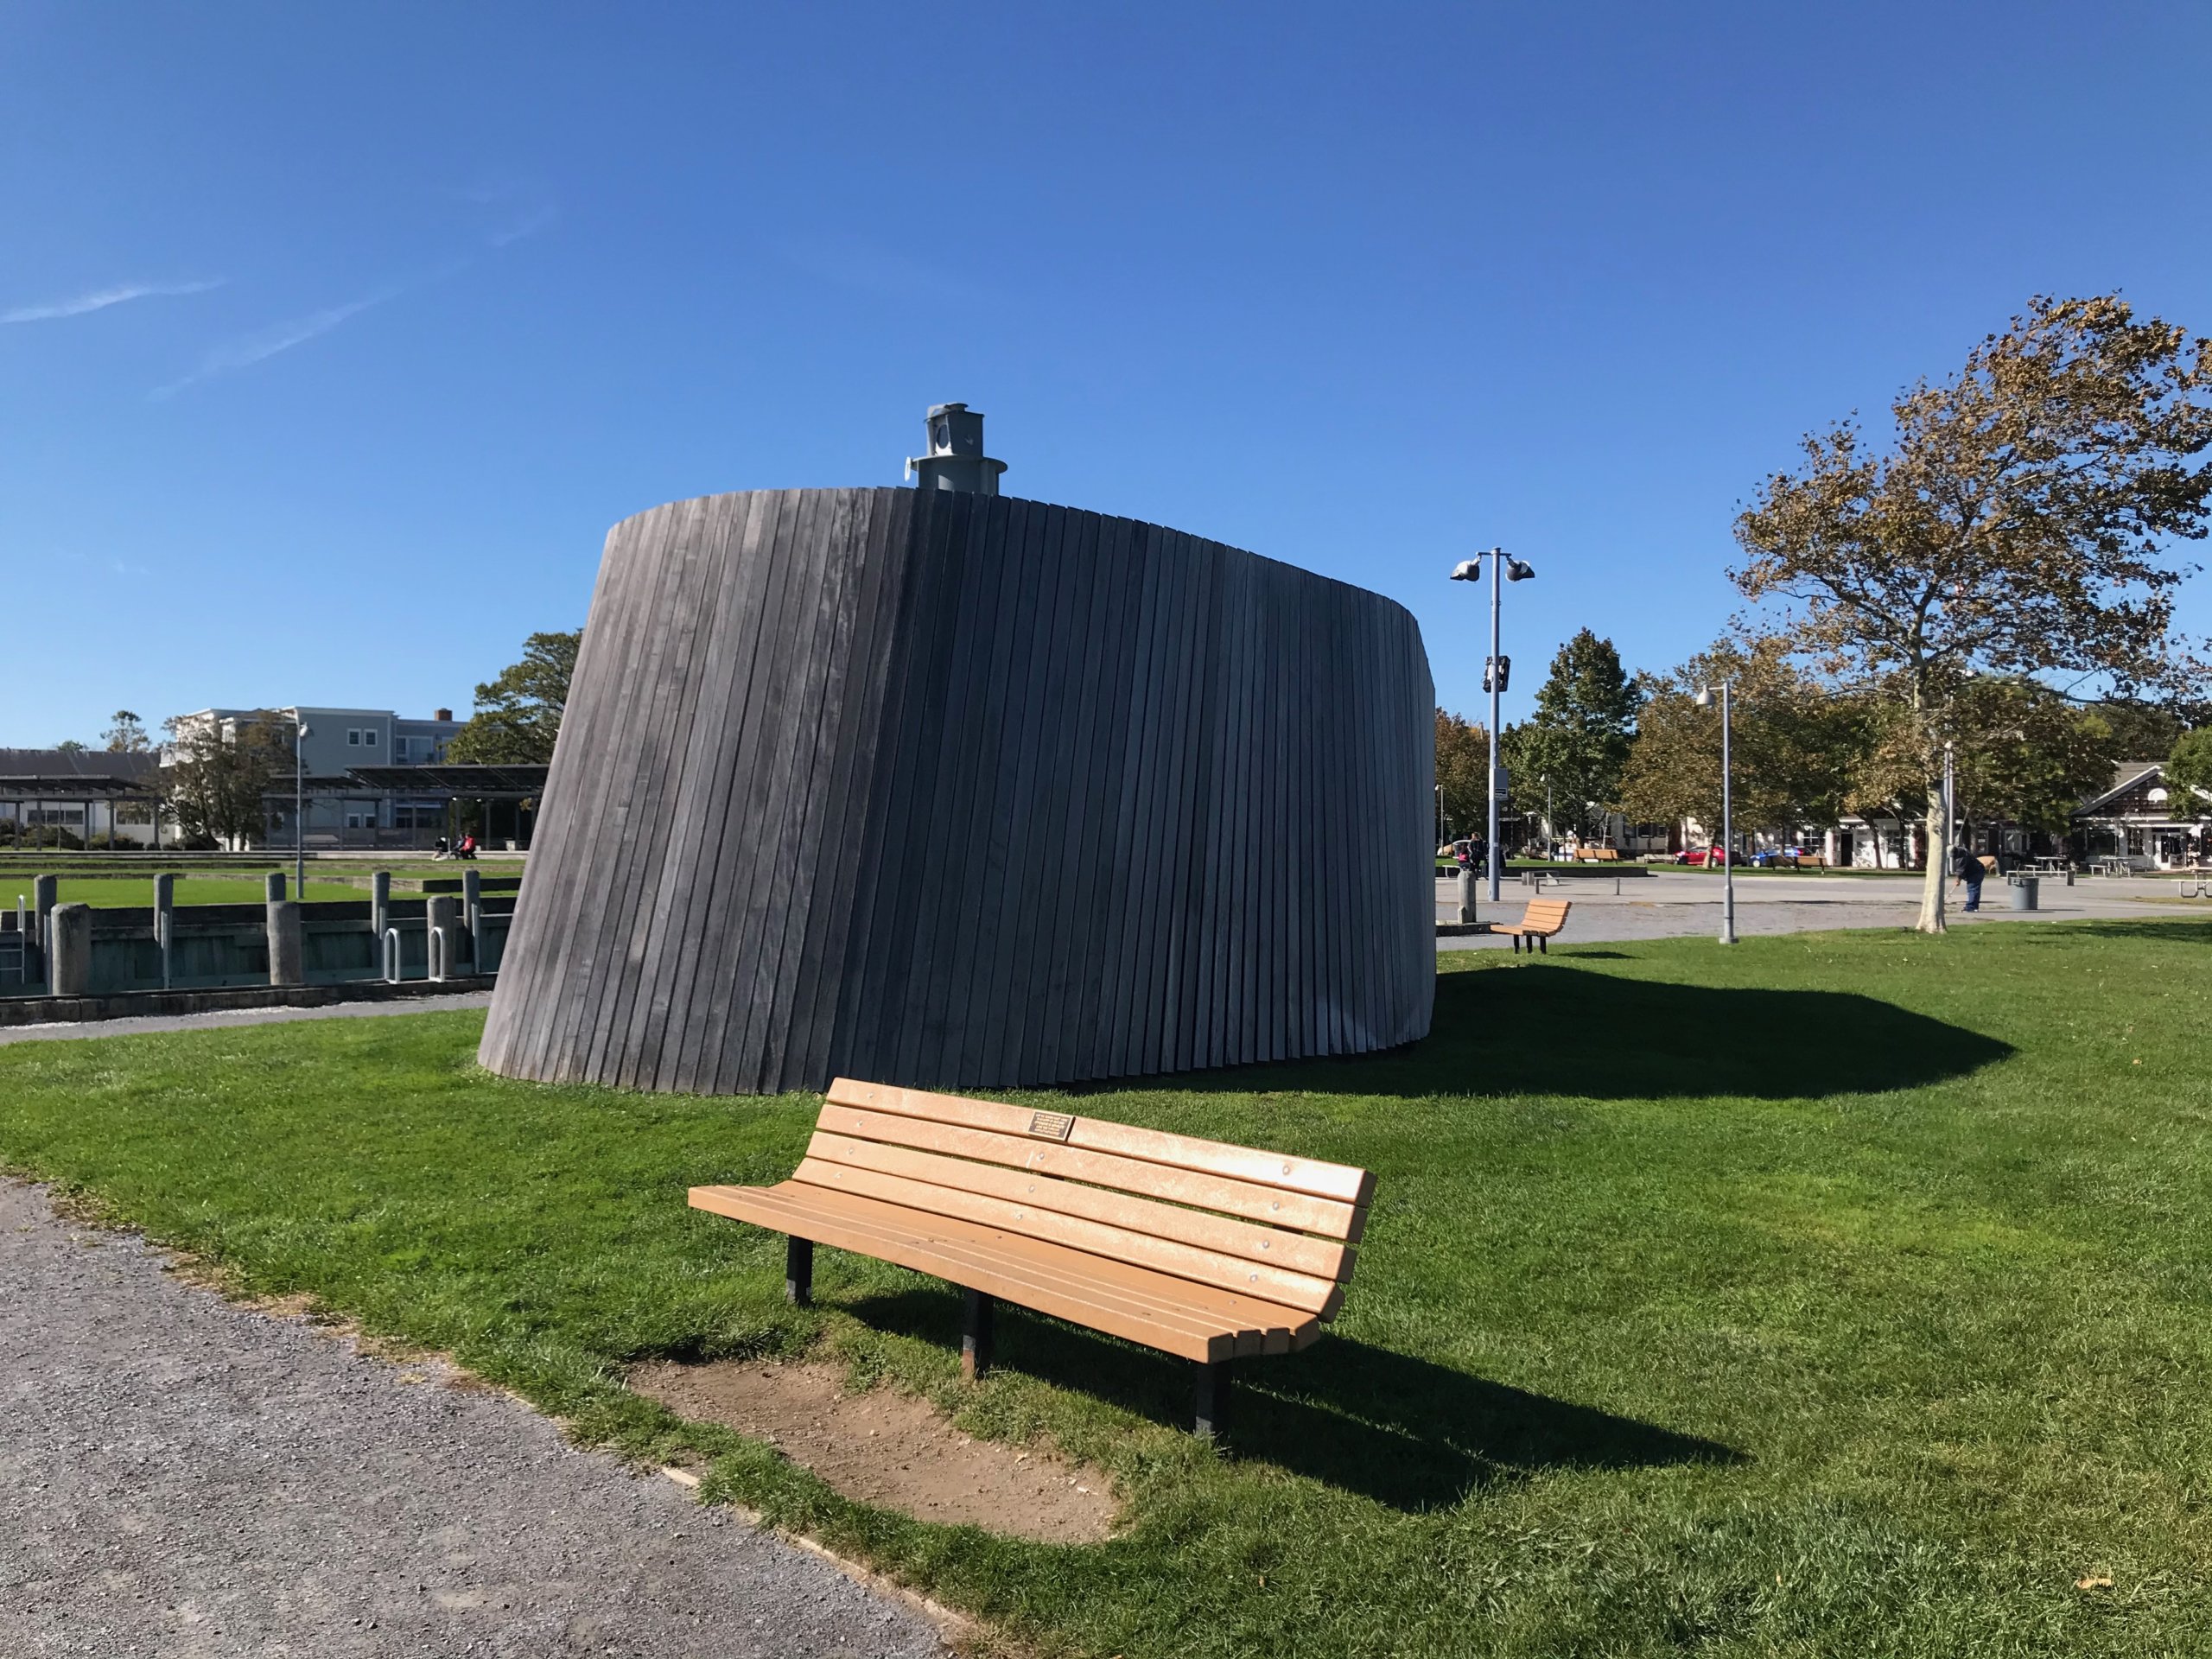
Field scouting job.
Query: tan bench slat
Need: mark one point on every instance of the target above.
(1338, 1181)
(1269, 1204)
(1170, 1314)
(996, 1273)
(1277, 1327)
(1316, 1296)
(1258, 1327)
(1322, 1258)
(1274, 1329)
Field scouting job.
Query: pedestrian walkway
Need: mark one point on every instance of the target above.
(179, 1475)
(62, 1030)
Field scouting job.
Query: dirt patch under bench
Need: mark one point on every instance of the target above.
(890, 1449)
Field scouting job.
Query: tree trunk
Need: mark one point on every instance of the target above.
(1939, 865)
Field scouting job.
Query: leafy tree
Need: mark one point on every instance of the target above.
(2138, 731)
(69, 745)
(1462, 774)
(1795, 747)
(518, 715)
(127, 734)
(2027, 756)
(216, 779)
(2189, 767)
(1571, 751)
(2019, 524)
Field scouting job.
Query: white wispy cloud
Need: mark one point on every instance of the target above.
(525, 208)
(99, 299)
(256, 348)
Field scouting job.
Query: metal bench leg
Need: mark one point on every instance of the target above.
(799, 1270)
(1543, 943)
(1209, 1420)
(974, 1333)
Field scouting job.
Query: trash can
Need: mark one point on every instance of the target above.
(2025, 891)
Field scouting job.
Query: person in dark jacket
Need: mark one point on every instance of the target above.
(1969, 869)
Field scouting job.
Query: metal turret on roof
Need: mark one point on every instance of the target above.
(955, 460)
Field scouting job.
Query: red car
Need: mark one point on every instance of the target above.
(1713, 855)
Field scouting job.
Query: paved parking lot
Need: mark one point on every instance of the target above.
(1676, 903)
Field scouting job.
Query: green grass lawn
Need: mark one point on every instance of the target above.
(1836, 1294)
(129, 891)
(82, 880)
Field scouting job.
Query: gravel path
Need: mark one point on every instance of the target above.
(62, 1030)
(179, 1477)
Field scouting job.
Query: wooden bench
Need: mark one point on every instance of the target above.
(1543, 918)
(1209, 1252)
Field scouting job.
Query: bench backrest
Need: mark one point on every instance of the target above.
(1546, 915)
(1259, 1224)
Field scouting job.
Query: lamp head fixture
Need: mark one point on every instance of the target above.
(1704, 698)
(1519, 570)
(1467, 570)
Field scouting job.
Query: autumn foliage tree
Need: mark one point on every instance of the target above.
(2019, 523)
(1796, 748)
(1462, 774)
(219, 774)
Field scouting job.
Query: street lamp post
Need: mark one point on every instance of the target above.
(301, 732)
(1502, 570)
(1727, 819)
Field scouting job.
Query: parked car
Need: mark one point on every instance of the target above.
(1713, 855)
(1775, 857)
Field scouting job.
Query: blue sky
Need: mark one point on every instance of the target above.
(333, 339)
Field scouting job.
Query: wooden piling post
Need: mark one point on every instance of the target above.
(286, 955)
(69, 949)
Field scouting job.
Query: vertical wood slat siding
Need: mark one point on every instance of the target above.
(968, 792)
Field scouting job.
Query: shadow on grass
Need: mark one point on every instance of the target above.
(2165, 930)
(1402, 1430)
(1547, 1028)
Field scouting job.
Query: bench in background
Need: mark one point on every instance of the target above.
(1543, 918)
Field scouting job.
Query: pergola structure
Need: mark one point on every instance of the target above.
(81, 791)
(517, 788)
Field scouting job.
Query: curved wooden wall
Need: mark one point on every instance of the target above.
(967, 791)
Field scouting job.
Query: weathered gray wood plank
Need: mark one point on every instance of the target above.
(968, 792)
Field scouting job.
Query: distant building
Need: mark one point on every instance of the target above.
(2136, 816)
(343, 808)
(2140, 816)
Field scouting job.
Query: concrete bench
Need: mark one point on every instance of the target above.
(1209, 1252)
(1542, 919)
